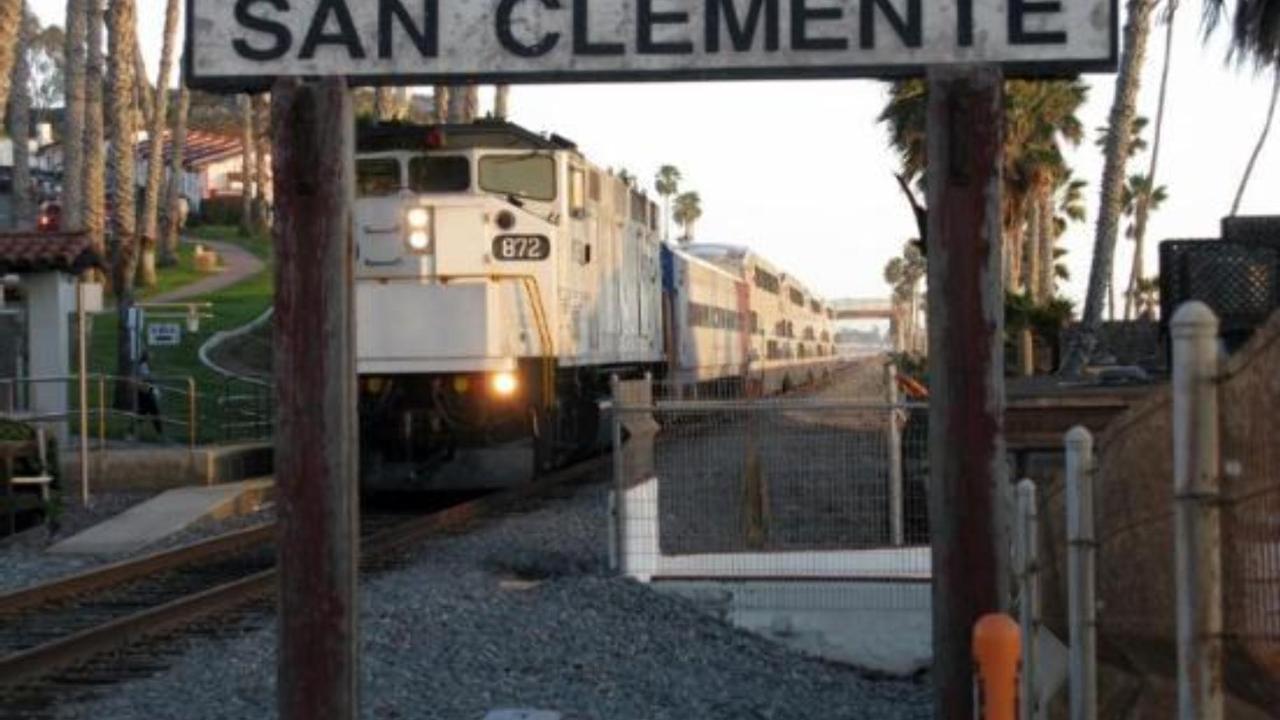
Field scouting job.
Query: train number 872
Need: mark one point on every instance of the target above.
(521, 247)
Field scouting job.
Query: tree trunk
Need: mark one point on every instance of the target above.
(177, 174)
(95, 146)
(10, 23)
(262, 164)
(73, 125)
(1262, 140)
(442, 97)
(141, 86)
(501, 101)
(1031, 255)
(247, 146)
(1142, 210)
(1119, 139)
(155, 161)
(1048, 243)
(22, 215)
(384, 104)
(122, 38)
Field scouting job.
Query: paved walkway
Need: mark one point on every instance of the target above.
(237, 264)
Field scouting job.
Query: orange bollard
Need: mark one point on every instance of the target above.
(997, 650)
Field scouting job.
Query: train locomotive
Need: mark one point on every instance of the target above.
(502, 279)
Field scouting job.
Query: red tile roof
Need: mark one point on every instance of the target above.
(27, 252)
(202, 148)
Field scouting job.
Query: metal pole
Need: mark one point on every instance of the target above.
(893, 436)
(1081, 602)
(967, 474)
(1026, 554)
(1197, 487)
(82, 362)
(317, 442)
(191, 415)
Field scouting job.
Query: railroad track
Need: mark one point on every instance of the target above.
(66, 638)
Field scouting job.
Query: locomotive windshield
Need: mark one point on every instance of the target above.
(440, 174)
(528, 176)
(377, 177)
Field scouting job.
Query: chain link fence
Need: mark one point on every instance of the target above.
(824, 484)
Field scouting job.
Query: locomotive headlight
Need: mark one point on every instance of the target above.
(504, 384)
(419, 241)
(418, 218)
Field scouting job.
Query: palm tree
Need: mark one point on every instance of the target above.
(1253, 29)
(1140, 199)
(1128, 81)
(11, 15)
(1262, 140)
(667, 183)
(155, 160)
(74, 65)
(247, 147)
(121, 37)
(904, 273)
(688, 210)
(262, 167)
(1039, 117)
(23, 213)
(442, 95)
(94, 145)
(177, 170)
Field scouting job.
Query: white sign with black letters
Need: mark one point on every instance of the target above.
(164, 334)
(234, 42)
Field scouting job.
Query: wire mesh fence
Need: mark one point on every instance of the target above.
(822, 486)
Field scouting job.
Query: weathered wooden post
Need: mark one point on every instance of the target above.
(966, 407)
(893, 447)
(1081, 576)
(316, 433)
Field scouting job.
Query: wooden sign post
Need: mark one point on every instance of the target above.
(316, 428)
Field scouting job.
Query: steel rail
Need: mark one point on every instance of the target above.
(124, 571)
(46, 659)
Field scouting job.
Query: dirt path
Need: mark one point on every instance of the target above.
(237, 264)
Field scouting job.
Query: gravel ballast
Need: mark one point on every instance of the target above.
(522, 612)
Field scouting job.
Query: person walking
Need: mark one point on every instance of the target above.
(149, 394)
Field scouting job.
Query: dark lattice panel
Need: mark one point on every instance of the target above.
(1239, 281)
(1252, 229)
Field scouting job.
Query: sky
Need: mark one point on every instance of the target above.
(801, 172)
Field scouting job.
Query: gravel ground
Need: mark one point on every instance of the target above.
(522, 613)
(23, 560)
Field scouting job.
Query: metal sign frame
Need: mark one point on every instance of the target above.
(1049, 67)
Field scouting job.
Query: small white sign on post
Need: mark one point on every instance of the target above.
(233, 42)
(166, 334)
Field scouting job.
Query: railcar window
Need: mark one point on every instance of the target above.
(529, 176)
(439, 174)
(377, 177)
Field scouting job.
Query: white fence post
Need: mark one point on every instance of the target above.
(893, 435)
(1081, 602)
(1026, 558)
(1197, 485)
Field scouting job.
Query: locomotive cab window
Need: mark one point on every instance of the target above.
(377, 177)
(440, 174)
(527, 176)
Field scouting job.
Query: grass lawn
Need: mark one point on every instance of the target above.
(170, 278)
(232, 307)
